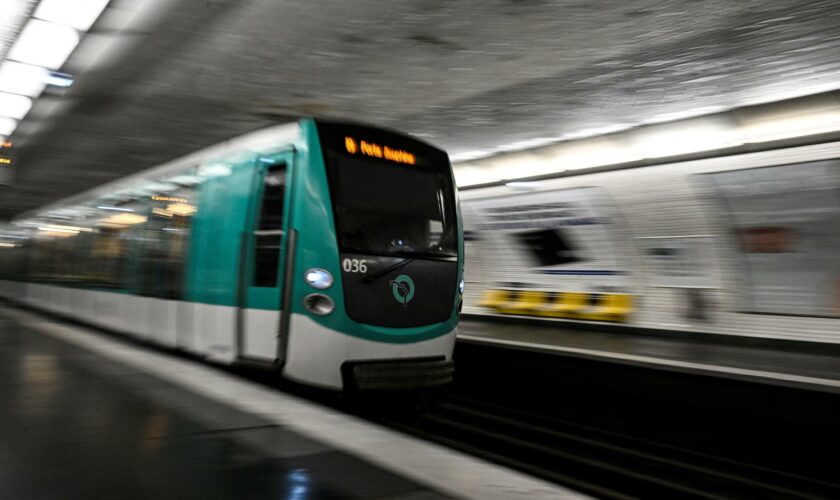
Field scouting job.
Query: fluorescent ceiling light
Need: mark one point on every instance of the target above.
(12, 16)
(214, 170)
(118, 209)
(790, 126)
(468, 155)
(23, 79)
(59, 79)
(183, 209)
(7, 126)
(690, 136)
(44, 44)
(594, 152)
(14, 106)
(596, 131)
(126, 219)
(470, 176)
(80, 14)
(683, 115)
(523, 185)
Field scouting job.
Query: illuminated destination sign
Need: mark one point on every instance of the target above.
(367, 148)
(5, 160)
(169, 198)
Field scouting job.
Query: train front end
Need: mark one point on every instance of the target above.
(378, 263)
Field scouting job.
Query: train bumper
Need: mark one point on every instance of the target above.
(397, 375)
(318, 356)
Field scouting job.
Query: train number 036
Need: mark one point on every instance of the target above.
(354, 265)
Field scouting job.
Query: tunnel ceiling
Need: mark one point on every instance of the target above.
(468, 75)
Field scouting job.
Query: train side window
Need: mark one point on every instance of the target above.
(269, 233)
(165, 241)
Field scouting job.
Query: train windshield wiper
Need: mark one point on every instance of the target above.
(393, 267)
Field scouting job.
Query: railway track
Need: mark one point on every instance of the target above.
(596, 461)
(617, 431)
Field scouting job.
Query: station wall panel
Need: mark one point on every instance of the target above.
(671, 235)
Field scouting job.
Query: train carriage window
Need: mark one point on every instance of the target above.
(269, 233)
(165, 237)
(117, 224)
(382, 210)
(107, 259)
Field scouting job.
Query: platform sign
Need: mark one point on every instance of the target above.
(6, 161)
(561, 240)
(679, 261)
(784, 223)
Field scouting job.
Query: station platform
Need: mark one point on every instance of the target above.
(785, 363)
(89, 415)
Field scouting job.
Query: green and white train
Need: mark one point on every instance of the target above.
(333, 251)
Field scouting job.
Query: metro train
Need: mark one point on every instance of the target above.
(332, 251)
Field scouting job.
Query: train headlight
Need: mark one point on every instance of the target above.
(461, 286)
(319, 304)
(318, 278)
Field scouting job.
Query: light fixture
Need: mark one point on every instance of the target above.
(469, 175)
(12, 11)
(59, 79)
(318, 304)
(318, 278)
(594, 152)
(469, 155)
(44, 44)
(59, 227)
(118, 209)
(127, 219)
(162, 213)
(14, 106)
(59, 234)
(79, 14)
(57, 230)
(685, 137)
(7, 126)
(214, 170)
(23, 79)
(788, 126)
(523, 185)
(182, 209)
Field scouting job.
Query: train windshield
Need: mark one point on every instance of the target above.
(391, 196)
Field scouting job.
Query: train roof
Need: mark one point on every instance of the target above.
(257, 141)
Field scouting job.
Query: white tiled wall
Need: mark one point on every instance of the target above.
(670, 201)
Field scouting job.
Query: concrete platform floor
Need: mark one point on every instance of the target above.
(791, 364)
(86, 415)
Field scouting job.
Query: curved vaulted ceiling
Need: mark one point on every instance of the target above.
(469, 75)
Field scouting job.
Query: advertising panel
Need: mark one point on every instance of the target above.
(557, 240)
(785, 221)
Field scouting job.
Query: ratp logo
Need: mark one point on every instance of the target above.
(403, 289)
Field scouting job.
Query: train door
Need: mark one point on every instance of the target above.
(262, 272)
